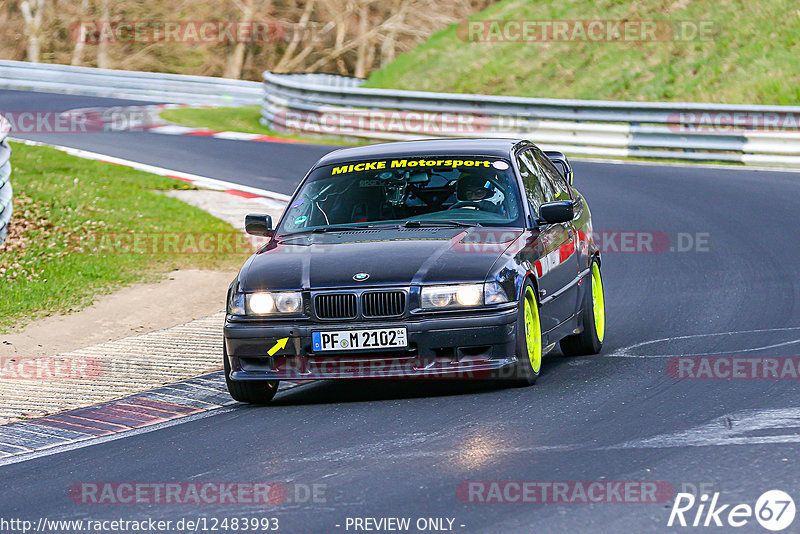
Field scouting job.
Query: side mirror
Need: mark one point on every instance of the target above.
(557, 212)
(255, 224)
(561, 163)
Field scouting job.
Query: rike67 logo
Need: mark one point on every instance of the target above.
(774, 510)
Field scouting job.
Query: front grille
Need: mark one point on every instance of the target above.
(336, 306)
(383, 303)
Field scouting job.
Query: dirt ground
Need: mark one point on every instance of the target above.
(185, 295)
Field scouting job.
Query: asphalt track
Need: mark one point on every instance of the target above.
(400, 449)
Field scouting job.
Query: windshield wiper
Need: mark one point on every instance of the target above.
(340, 228)
(452, 224)
(324, 229)
(407, 224)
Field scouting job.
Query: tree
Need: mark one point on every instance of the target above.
(32, 12)
(77, 52)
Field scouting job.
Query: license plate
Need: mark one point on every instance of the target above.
(373, 338)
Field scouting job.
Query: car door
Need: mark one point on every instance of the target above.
(553, 256)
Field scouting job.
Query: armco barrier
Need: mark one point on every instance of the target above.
(6, 192)
(756, 135)
(150, 86)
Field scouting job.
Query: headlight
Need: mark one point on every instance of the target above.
(452, 296)
(470, 295)
(462, 295)
(261, 303)
(267, 303)
(288, 302)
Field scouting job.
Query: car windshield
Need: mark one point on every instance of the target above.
(435, 190)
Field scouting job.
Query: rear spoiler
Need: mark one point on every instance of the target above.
(561, 163)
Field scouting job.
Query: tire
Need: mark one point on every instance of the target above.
(590, 341)
(251, 392)
(528, 339)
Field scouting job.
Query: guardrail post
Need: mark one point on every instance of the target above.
(6, 192)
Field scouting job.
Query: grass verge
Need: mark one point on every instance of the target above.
(239, 119)
(749, 55)
(74, 230)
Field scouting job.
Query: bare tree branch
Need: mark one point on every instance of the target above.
(77, 52)
(282, 65)
(32, 14)
(341, 36)
(103, 60)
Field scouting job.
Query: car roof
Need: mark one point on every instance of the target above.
(493, 147)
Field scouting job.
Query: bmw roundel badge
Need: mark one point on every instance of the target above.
(360, 277)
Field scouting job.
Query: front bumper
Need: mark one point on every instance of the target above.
(460, 347)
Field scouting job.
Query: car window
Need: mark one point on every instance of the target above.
(480, 190)
(559, 185)
(537, 189)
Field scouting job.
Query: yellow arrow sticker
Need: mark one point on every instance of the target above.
(278, 346)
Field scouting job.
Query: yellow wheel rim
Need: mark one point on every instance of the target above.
(533, 332)
(598, 303)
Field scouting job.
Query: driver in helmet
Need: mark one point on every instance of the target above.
(479, 192)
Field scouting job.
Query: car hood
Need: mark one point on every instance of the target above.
(388, 256)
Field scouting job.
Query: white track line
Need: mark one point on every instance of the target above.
(200, 181)
(624, 351)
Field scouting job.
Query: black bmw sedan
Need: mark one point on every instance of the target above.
(462, 258)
